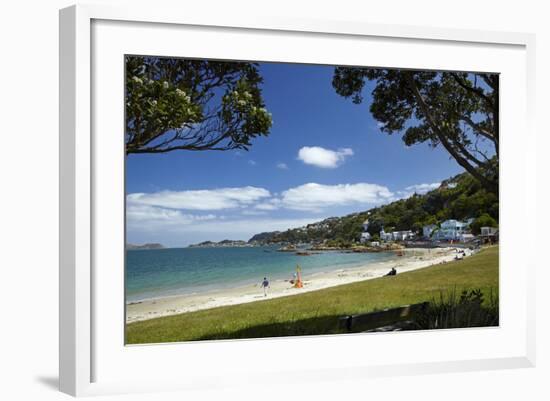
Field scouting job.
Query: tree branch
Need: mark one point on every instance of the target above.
(443, 138)
(477, 91)
(480, 130)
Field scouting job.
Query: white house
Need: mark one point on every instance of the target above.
(452, 230)
(396, 235)
(402, 235)
(365, 236)
(489, 234)
(384, 236)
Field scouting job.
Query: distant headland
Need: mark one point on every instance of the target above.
(226, 243)
(145, 246)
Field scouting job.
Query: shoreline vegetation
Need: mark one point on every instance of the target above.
(317, 312)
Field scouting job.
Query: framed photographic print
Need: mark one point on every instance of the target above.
(316, 185)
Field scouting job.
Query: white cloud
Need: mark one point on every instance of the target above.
(282, 166)
(154, 218)
(272, 204)
(248, 212)
(145, 213)
(252, 162)
(315, 197)
(422, 188)
(265, 206)
(324, 158)
(179, 217)
(206, 199)
(419, 189)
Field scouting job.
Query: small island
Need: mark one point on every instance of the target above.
(145, 246)
(226, 243)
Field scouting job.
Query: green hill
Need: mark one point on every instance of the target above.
(459, 197)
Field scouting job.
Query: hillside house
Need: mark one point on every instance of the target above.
(452, 230)
(402, 235)
(396, 235)
(489, 235)
(384, 236)
(365, 236)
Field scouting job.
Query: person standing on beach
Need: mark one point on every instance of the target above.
(265, 286)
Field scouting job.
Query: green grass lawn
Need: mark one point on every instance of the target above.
(317, 312)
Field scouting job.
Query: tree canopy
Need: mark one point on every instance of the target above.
(456, 110)
(485, 220)
(183, 104)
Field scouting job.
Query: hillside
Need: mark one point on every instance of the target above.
(459, 197)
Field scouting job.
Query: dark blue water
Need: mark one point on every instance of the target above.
(162, 272)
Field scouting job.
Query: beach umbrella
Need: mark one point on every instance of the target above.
(298, 283)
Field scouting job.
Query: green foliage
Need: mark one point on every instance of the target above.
(485, 220)
(458, 111)
(174, 104)
(470, 309)
(338, 243)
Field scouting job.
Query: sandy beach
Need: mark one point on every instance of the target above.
(412, 259)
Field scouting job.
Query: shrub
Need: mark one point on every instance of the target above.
(470, 309)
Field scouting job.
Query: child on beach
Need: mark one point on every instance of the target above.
(265, 286)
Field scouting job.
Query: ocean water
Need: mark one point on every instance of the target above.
(178, 271)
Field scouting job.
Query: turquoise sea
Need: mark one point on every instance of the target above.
(175, 271)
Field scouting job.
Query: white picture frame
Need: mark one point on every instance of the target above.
(83, 216)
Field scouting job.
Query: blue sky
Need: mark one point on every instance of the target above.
(325, 156)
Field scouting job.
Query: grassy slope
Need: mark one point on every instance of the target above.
(317, 312)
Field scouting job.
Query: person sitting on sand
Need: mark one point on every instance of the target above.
(265, 286)
(392, 272)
